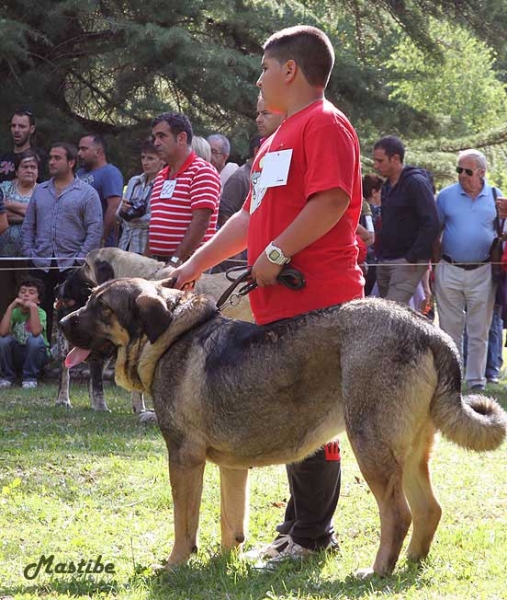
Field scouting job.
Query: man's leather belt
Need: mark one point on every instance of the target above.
(465, 266)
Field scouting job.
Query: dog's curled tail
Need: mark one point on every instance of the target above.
(473, 421)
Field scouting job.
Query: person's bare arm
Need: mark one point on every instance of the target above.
(194, 234)
(228, 241)
(320, 214)
(113, 202)
(4, 223)
(34, 319)
(5, 323)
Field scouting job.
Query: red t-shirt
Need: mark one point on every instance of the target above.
(325, 155)
(196, 185)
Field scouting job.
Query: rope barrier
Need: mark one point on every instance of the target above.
(229, 260)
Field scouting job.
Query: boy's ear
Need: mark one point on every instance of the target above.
(290, 69)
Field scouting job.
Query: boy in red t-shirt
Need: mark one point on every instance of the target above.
(303, 207)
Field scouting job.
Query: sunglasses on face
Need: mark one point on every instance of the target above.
(460, 170)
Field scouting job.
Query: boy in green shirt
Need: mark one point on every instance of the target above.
(23, 340)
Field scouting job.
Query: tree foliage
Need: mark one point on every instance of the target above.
(111, 65)
(461, 90)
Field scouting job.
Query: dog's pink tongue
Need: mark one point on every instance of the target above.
(76, 356)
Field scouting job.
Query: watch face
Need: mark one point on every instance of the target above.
(274, 255)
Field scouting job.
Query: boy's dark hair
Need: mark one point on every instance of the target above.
(308, 46)
(21, 156)
(34, 282)
(391, 145)
(371, 183)
(70, 149)
(178, 122)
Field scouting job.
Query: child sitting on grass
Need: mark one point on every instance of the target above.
(23, 341)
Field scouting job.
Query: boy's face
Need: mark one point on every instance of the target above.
(272, 84)
(28, 294)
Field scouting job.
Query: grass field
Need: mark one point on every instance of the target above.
(77, 485)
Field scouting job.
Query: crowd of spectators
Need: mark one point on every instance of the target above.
(187, 188)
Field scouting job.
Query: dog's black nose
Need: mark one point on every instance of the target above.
(63, 324)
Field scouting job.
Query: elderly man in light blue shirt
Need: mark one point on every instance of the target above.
(464, 289)
(63, 223)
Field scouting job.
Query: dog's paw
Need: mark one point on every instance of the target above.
(365, 573)
(147, 417)
(63, 403)
(101, 408)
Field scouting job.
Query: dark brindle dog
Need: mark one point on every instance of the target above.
(241, 395)
(103, 265)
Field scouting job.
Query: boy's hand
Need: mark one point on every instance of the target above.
(186, 275)
(18, 302)
(264, 272)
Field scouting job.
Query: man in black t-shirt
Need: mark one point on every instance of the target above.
(22, 130)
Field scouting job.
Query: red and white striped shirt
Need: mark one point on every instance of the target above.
(196, 185)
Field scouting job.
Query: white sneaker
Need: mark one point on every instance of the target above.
(5, 384)
(29, 385)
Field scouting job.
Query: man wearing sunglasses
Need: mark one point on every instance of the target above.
(464, 289)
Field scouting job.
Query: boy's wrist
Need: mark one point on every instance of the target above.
(276, 255)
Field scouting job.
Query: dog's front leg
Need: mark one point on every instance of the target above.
(96, 385)
(186, 485)
(233, 506)
(63, 398)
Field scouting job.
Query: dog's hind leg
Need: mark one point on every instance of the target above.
(186, 475)
(426, 511)
(383, 473)
(233, 506)
(138, 402)
(63, 397)
(96, 385)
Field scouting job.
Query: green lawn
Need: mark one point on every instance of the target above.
(78, 485)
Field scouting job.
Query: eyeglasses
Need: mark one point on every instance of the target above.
(215, 152)
(460, 170)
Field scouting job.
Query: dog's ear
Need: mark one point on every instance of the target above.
(170, 282)
(154, 314)
(103, 271)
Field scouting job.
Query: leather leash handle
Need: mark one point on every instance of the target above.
(288, 277)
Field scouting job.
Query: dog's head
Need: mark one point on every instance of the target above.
(126, 312)
(74, 292)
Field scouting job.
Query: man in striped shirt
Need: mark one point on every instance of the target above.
(185, 197)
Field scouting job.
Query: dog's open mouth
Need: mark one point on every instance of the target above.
(76, 356)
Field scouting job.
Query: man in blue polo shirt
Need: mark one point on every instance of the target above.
(464, 289)
(105, 178)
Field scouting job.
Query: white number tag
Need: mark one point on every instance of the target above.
(275, 168)
(168, 188)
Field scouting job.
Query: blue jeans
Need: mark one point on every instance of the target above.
(27, 359)
(495, 347)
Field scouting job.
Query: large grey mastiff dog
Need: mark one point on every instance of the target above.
(242, 395)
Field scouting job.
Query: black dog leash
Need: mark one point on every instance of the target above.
(288, 276)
